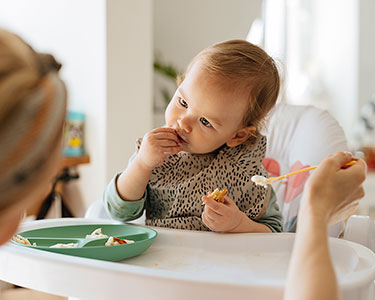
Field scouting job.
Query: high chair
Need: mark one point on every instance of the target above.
(298, 136)
(184, 264)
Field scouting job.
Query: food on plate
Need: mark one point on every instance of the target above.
(113, 241)
(21, 240)
(218, 195)
(69, 245)
(97, 233)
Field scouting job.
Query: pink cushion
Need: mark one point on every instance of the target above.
(272, 166)
(295, 183)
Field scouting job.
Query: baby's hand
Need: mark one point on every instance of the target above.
(157, 145)
(221, 217)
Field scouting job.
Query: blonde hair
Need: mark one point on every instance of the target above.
(241, 66)
(32, 112)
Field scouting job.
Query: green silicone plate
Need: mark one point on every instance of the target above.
(92, 247)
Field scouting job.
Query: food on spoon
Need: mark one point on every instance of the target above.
(259, 180)
(218, 195)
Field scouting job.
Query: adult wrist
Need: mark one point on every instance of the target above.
(312, 209)
(309, 219)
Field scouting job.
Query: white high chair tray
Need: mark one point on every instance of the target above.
(182, 265)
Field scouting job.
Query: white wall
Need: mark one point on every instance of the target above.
(106, 50)
(129, 79)
(58, 27)
(336, 45)
(331, 59)
(366, 51)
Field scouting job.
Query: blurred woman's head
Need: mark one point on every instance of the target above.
(32, 111)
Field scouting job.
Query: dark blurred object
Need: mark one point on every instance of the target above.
(68, 171)
(365, 127)
(369, 153)
(365, 133)
(168, 71)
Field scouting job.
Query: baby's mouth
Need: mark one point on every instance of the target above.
(180, 139)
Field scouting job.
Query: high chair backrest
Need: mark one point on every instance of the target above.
(299, 136)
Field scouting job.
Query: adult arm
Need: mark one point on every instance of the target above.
(331, 191)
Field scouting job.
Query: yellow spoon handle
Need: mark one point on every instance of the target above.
(274, 179)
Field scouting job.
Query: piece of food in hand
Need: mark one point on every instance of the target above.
(114, 241)
(69, 245)
(218, 195)
(97, 233)
(21, 240)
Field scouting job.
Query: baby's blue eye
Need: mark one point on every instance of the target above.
(182, 102)
(205, 122)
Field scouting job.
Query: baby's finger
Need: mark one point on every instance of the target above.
(228, 201)
(166, 136)
(168, 143)
(215, 206)
(211, 214)
(209, 223)
(164, 130)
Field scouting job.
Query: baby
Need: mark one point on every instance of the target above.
(211, 140)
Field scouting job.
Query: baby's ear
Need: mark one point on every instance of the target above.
(241, 136)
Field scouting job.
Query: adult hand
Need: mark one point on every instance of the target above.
(156, 146)
(333, 190)
(221, 217)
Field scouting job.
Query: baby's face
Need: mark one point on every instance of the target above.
(204, 115)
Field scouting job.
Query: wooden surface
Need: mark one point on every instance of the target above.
(70, 161)
(26, 294)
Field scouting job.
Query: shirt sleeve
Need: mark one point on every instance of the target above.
(272, 217)
(118, 208)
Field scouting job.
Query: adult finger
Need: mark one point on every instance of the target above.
(354, 197)
(340, 159)
(358, 194)
(357, 172)
(343, 213)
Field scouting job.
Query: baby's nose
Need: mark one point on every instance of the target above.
(183, 123)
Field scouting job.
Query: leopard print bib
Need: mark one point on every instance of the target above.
(175, 188)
